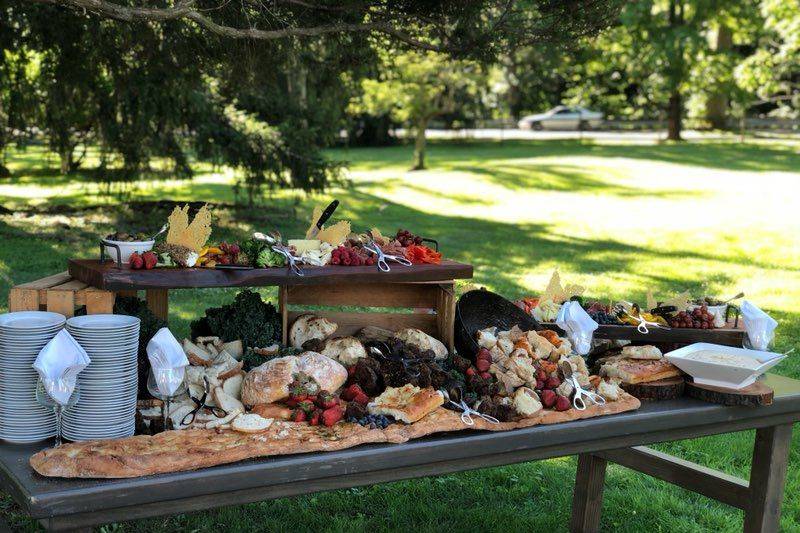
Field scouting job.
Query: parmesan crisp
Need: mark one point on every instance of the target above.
(193, 236)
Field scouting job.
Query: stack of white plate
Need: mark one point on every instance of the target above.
(107, 405)
(22, 336)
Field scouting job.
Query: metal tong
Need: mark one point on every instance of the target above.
(467, 411)
(578, 401)
(375, 248)
(274, 239)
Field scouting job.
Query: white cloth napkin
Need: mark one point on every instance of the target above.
(578, 326)
(168, 361)
(759, 325)
(59, 363)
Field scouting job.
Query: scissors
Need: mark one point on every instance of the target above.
(581, 394)
(274, 239)
(373, 247)
(200, 403)
(467, 411)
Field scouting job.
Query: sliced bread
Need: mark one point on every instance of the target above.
(226, 366)
(235, 348)
(196, 354)
(226, 419)
(233, 385)
(251, 423)
(227, 402)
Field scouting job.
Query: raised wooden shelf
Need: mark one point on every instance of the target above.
(107, 276)
(728, 336)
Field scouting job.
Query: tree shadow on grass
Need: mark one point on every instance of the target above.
(753, 157)
(567, 178)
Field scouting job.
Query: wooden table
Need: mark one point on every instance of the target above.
(64, 504)
(428, 289)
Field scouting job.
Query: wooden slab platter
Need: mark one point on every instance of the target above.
(663, 389)
(110, 277)
(175, 451)
(730, 335)
(759, 393)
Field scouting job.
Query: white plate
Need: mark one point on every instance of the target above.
(27, 320)
(94, 322)
(719, 374)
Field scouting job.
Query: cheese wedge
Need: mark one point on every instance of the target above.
(305, 245)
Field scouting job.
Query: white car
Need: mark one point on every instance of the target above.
(562, 118)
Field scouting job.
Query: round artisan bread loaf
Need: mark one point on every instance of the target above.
(270, 382)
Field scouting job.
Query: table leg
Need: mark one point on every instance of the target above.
(587, 500)
(158, 302)
(767, 479)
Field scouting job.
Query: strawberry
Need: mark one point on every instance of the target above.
(326, 400)
(292, 402)
(299, 416)
(351, 392)
(314, 420)
(548, 398)
(541, 374)
(136, 261)
(331, 416)
(486, 375)
(470, 372)
(150, 259)
(552, 383)
(362, 399)
(306, 405)
(482, 365)
(562, 403)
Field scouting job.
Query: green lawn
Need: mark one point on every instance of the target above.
(713, 217)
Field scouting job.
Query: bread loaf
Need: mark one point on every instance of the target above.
(270, 382)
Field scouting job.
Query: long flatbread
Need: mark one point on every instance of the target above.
(640, 371)
(175, 451)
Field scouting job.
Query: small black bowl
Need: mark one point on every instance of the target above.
(480, 309)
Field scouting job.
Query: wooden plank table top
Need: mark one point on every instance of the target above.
(74, 502)
(108, 276)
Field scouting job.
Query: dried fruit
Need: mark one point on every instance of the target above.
(548, 398)
(562, 403)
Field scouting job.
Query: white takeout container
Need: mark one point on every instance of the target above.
(126, 248)
(719, 374)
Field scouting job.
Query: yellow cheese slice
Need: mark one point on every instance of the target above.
(305, 245)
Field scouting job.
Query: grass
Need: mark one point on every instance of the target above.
(622, 219)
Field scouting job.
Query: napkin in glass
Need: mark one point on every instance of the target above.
(759, 325)
(168, 361)
(578, 326)
(59, 363)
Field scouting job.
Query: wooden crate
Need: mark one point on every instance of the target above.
(61, 294)
(428, 306)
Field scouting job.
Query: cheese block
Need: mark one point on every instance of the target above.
(305, 245)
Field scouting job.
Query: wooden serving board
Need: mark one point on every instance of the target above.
(727, 336)
(751, 396)
(663, 389)
(108, 276)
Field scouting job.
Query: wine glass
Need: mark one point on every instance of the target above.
(44, 399)
(165, 377)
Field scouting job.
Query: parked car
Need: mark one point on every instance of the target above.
(562, 118)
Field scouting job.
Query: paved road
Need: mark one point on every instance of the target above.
(627, 136)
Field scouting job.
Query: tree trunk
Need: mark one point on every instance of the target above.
(4, 172)
(674, 117)
(65, 157)
(717, 105)
(419, 144)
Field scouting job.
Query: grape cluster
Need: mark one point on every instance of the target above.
(699, 318)
(350, 257)
(406, 238)
(604, 317)
(372, 421)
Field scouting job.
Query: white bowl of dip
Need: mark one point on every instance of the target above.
(723, 366)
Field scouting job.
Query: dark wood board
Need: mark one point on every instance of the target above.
(727, 336)
(751, 396)
(663, 389)
(108, 276)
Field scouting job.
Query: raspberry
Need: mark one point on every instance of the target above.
(562, 403)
